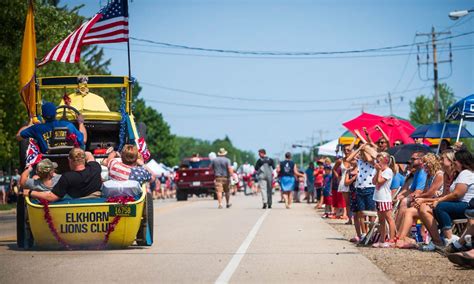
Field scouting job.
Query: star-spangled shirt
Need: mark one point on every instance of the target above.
(140, 174)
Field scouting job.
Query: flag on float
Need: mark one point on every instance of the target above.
(27, 63)
(109, 25)
(33, 154)
(143, 149)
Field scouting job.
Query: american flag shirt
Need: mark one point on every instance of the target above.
(122, 172)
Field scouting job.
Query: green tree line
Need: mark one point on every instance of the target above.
(53, 23)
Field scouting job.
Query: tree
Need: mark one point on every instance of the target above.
(160, 141)
(422, 109)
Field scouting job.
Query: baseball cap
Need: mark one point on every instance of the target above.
(46, 166)
(48, 111)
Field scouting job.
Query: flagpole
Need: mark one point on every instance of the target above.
(129, 99)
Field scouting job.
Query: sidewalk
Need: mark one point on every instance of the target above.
(296, 245)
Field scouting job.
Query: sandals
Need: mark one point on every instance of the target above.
(402, 244)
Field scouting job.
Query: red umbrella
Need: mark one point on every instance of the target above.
(396, 129)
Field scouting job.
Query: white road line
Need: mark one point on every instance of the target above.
(239, 254)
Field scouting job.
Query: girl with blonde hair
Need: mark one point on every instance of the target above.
(383, 198)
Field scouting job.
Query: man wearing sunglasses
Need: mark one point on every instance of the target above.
(420, 176)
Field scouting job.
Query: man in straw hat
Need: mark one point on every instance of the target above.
(83, 181)
(222, 172)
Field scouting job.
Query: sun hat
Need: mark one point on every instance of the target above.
(222, 152)
(48, 111)
(46, 166)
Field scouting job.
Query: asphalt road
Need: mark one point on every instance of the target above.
(197, 243)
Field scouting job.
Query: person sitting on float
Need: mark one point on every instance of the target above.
(43, 131)
(131, 166)
(45, 178)
(83, 181)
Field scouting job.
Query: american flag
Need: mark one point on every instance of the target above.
(143, 149)
(33, 154)
(108, 26)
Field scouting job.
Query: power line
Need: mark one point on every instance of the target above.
(247, 109)
(406, 65)
(460, 48)
(268, 100)
(291, 53)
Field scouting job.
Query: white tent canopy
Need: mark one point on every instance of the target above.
(328, 149)
(158, 169)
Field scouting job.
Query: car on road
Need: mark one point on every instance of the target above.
(194, 176)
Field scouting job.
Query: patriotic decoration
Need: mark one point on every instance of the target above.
(108, 26)
(143, 149)
(33, 154)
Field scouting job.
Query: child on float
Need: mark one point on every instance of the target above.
(383, 199)
(327, 191)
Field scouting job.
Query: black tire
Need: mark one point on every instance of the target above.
(145, 233)
(24, 237)
(181, 195)
(23, 146)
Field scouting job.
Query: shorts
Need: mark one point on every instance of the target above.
(222, 184)
(364, 199)
(337, 199)
(383, 206)
(287, 183)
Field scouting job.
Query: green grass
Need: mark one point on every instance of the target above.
(4, 207)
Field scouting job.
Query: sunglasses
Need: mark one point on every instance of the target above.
(382, 142)
(414, 159)
(396, 144)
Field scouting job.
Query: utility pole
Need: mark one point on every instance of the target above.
(390, 103)
(435, 75)
(435, 62)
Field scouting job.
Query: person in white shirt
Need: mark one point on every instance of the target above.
(383, 198)
(452, 205)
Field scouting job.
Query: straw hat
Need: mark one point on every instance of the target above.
(222, 152)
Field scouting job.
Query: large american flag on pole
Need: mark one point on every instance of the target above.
(108, 26)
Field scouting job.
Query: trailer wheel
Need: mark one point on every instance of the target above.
(145, 233)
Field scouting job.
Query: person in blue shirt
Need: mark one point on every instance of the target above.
(42, 132)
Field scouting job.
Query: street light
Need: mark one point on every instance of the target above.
(456, 15)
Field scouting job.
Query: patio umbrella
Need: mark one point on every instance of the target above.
(434, 131)
(403, 152)
(396, 129)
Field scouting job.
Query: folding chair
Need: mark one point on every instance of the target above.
(459, 226)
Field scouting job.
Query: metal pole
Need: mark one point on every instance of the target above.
(441, 138)
(390, 103)
(435, 73)
(460, 126)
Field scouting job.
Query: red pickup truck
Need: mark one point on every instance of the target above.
(194, 176)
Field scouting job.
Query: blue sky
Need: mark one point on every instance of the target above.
(284, 26)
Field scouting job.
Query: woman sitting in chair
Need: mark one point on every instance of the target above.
(434, 184)
(440, 212)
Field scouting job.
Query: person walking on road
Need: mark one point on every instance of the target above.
(287, 171)
(222, 171)
(264, 168)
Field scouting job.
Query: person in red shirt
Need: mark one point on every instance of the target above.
(318, 183)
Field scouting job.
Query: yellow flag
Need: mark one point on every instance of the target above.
(27, 63)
